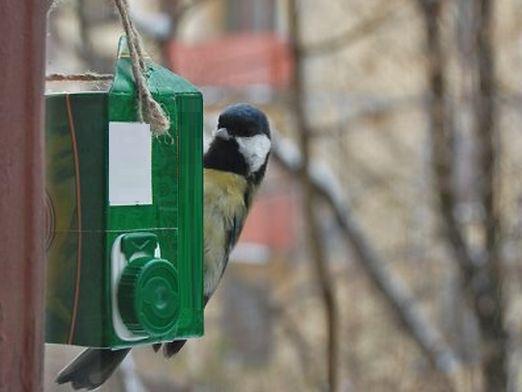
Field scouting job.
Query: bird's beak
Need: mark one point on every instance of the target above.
(222, 133)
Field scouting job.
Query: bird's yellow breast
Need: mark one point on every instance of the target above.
(224, 202)
(224, 191)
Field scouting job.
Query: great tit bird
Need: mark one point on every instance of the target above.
(234, 166)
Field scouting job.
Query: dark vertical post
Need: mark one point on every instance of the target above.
(22, 262)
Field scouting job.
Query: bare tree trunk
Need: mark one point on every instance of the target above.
(310, 205)
(442, 137)
(84, 49)
(489, 299)
(481, 275)
(443, 149)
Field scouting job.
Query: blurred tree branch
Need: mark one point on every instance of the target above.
(394, 292)
(312, 227)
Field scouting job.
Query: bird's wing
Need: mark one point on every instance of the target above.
(238, 222)
(234, 232)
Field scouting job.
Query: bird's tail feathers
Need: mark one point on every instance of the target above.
(172, 348)
(91, 368)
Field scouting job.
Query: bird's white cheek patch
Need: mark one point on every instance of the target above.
(255, 150)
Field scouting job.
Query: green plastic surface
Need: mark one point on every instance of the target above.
(141, 242)
(148, 296)
(82, 226)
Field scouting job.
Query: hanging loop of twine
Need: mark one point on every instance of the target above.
(149, 110)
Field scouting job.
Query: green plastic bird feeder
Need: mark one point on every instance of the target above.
(124, 214)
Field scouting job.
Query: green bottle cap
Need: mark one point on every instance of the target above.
(148, 296)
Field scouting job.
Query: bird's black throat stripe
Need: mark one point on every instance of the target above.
(224, 155)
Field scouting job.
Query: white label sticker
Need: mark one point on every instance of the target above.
(130, 164)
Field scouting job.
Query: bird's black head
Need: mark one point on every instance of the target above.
(243, 120)
(241, 142)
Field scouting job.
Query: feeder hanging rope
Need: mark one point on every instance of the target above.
(149, 110)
